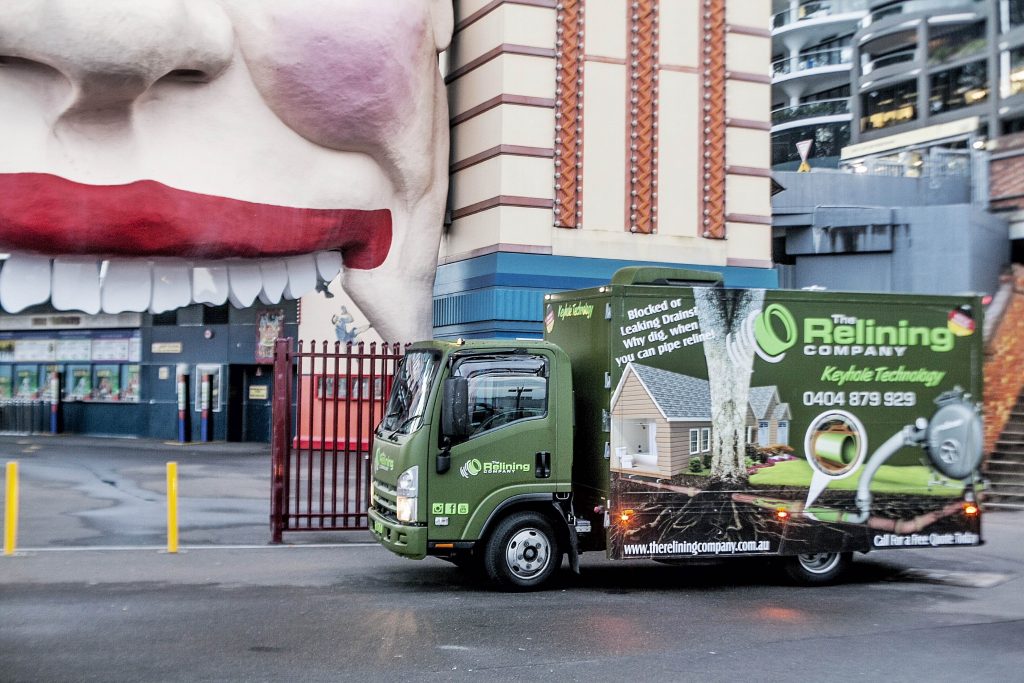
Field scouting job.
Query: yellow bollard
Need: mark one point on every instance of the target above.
(172, 507)
(11, 513)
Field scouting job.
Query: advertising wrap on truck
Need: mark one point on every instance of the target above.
(775, 422)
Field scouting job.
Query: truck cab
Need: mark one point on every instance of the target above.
(473, 459)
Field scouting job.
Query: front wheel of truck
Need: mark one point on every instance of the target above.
(817, 569)
(522, 554)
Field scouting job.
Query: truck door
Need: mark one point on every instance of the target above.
(512, 426)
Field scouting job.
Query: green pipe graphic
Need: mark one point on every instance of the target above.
(836, 447)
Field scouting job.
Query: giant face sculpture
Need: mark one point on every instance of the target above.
(155, 153)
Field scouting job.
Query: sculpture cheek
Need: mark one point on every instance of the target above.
(343, 75)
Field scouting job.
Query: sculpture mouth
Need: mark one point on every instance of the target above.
(147, 246)
(47, 214)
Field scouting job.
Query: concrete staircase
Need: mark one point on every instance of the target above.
(1004, 467)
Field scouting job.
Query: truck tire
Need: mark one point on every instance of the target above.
(522, 553)
(817, 569)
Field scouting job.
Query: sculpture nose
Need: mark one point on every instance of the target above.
(113, 51)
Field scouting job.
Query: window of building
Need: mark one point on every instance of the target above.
(950, 43)
(1015, 125)
(1012, 72)
(694, 441)
(705, 439)
(1013, 13)
(963, 86)
(887, 50)
(840, 92)
(829, 139)
(889, 106)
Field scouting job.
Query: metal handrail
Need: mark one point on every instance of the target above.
(811, 60)
(806, 110)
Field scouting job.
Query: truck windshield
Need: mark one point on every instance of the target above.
(409, 394)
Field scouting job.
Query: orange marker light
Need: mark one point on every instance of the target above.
(970, 509)
(782, 514)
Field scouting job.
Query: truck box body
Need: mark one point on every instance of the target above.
(786, 399)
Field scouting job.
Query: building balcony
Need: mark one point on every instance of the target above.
(813, 22)
(813, 71)
(825, 11)
(807, 113)
(810, 61)
(891, 59)
(894, 13)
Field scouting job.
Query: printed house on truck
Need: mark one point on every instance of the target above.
(662, 419)
(767, 417)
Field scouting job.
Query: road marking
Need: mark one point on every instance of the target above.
(956, 578)
(160, 548)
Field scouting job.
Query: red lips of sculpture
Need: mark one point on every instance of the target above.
(51, 215)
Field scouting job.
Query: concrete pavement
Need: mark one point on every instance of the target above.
(331, 607)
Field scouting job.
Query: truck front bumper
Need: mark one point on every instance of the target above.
(401, 539)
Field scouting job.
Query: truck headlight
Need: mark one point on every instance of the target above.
(408, 489)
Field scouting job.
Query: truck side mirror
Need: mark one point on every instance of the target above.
(455, 409)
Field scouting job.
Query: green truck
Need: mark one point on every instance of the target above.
(667, 417)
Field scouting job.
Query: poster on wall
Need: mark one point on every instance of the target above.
(269, 325)
(110, 348)
(35, 349)
(5, 381)
(26, 378)
(130, 383)
(78, 383)
(74, 350)
(6, 350)
(45, 372)
(107, 383)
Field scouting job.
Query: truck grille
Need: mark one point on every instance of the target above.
(384, 499)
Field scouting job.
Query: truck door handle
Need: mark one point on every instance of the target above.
(543, 465)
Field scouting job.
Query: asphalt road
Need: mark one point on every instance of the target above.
(229, 607)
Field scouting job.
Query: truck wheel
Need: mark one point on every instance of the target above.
(817, 569)
(522, 553)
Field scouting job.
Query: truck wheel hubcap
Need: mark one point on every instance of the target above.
(819, 563)
(528, 553)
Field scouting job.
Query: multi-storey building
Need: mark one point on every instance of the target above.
(891, 79)
(812, 59)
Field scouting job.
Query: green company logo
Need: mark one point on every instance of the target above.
(471, 468)
(775, 331)
(474, 467)
(384, 462)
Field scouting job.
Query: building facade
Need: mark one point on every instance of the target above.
(587, 135)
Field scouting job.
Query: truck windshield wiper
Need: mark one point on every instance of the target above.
(404, 424)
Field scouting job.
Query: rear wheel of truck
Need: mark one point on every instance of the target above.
(817, 569)
(522, 553)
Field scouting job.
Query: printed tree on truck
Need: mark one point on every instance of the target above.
(730, 361)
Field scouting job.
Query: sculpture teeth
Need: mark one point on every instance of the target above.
(24, 282)
(91, 285)
(75, 284)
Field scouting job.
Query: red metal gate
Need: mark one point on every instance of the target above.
(327, 402)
